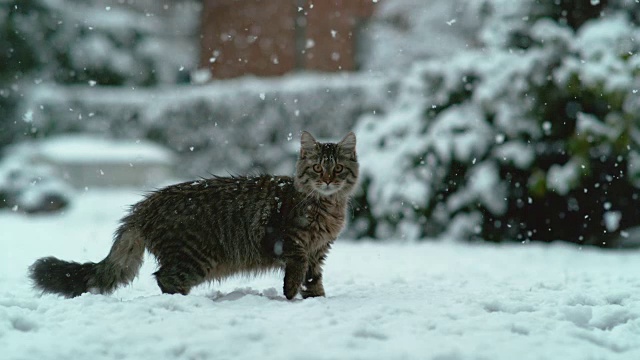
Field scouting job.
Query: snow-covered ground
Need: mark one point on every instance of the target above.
(385, 301)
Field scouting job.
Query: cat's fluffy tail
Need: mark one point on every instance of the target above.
(72, 279)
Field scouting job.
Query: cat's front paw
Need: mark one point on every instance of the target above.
(293, 276)
(292, 282)
(290, 291)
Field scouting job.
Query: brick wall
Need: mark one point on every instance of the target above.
(273, 37)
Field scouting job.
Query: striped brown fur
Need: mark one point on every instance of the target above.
(213, 228)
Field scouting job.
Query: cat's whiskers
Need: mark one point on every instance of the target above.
(311, 193)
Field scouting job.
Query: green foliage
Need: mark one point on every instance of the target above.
(534, 137)
(74, 43)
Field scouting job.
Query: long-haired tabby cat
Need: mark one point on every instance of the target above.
(213, 228)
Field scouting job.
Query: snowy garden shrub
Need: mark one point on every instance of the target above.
(532, 137)
(89, 43)
(395, 35)
(232, 126)
(30, 188)
(70, 41)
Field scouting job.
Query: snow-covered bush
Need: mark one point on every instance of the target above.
(236, 126)
(532, 137)
(29, 187)
(395, 34)
(69, 41)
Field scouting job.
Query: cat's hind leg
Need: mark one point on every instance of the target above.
(179, 278)
(183, 264)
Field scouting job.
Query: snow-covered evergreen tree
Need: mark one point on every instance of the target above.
(533, 136)
(90, 43)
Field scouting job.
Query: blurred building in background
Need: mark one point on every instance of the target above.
(274, 37)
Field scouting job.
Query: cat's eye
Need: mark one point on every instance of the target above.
(338, 168)
(317, 168)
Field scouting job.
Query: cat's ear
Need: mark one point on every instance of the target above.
(307, 143)
(348, 143)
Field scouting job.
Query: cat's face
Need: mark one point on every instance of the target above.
(327, 168)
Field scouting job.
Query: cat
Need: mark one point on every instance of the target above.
(213, 228)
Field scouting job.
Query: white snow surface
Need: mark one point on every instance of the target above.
(430, 300)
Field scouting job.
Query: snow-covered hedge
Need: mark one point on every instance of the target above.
(401, 32)
(69, 41)
(234, 126)
(535, 136)
(29, 187)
